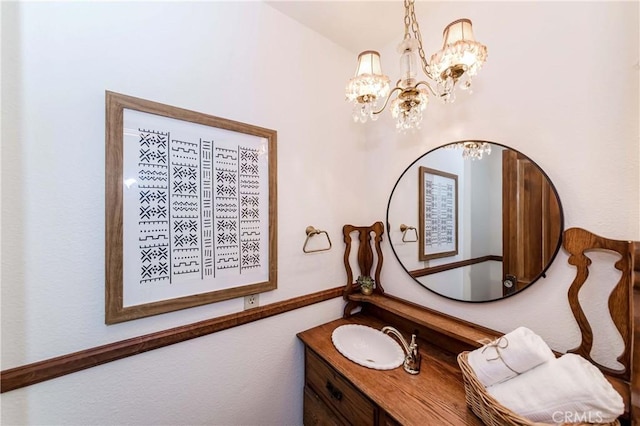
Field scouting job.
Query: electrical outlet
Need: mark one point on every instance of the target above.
(251, 301)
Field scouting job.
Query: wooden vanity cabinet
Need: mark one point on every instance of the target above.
(326, 387)
(329, 399)
(316, 412)
(338, 391)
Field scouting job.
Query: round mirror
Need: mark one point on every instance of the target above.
(474, 221)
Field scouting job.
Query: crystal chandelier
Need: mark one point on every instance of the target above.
(473, 150)
(459, 60)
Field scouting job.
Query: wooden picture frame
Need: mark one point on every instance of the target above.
(191, 209)
(438, 214)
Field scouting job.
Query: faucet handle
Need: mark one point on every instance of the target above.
(413, 341)
(413, 346)
(413, 358)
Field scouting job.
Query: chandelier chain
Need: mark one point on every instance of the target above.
(410, 17)
(407, 18)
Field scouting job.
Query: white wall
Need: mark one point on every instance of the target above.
(545, 92)
(561, 86)
(242, 61)
(485, 178)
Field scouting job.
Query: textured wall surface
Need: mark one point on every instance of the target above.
(242, 61)
(561, 85)
(540, 92)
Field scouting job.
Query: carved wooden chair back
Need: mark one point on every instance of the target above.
(626, 293)
(365, 254)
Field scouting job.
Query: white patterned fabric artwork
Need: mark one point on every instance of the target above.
(195, 208)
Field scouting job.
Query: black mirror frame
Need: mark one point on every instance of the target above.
(542, 274)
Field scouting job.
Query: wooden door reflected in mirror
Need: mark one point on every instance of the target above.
(531, 221)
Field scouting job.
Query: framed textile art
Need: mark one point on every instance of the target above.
(191, 208)
(438, 214)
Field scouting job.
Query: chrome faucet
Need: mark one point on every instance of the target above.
(412, 356)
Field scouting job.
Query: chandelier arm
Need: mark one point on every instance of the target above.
(386, 101)
(426, 83)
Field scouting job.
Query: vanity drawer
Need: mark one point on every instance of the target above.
(337, 393)
(316, 412)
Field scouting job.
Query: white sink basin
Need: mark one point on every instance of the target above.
(367, 346)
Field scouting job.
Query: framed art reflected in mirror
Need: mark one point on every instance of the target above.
(438, 214)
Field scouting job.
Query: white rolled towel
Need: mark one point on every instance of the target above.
(568, 389)
(514, 353)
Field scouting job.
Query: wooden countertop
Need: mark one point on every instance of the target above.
(433, 397)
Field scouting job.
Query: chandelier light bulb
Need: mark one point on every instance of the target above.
(460, 58)
(367, 87)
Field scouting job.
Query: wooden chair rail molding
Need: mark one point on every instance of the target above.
(41, 371)
(453, 265)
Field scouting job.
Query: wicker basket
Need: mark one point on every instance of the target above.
(487, 408)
